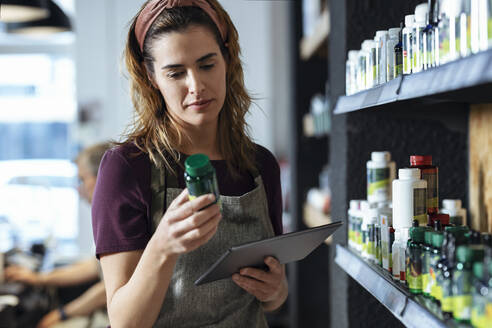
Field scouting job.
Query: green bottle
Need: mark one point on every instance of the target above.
(479, 296)
(447, 302)
(426, 255)
(414, 260)
(200, 177)
(437, 240)
(462, 280)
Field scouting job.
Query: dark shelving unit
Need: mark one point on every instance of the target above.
(412, 310)
(466, 80)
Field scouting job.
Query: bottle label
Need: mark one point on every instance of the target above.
(432, 187)
(462, 294)
(447, 302)
(398, 66)
(414, 269)
(420, 205)
(378, 181)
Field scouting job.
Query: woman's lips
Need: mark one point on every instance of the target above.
(200, 105)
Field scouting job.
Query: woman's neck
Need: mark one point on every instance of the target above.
(203, 140)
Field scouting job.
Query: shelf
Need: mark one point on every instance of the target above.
(315, 218)
(311, 44)
(467, 80)
(412, 310)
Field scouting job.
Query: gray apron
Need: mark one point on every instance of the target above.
(220, 303)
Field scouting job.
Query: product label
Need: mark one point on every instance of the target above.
(461, 290)
(447, 302)
(407, 53)
(398, 63)
(414, 269)
(378, 181)
(478, 316)
(420, 205)
(432, 189)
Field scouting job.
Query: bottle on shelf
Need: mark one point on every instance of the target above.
(409, 199)
(393, 40)
(380, 173)
(419, 26)
(457, 215)
(437, 243)
(407, 43)
(381, 39)
(462, 280)
(414, 259)
(426, 260)
(429, 173)
(428, 37)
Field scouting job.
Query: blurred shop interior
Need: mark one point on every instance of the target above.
(346, 91)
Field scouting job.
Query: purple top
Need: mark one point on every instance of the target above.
(121, 204)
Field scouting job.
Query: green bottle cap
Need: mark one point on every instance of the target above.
(478, 270)
(437, 239)
(428, 237)
(463, 254)
(198, 165)
(417, 234)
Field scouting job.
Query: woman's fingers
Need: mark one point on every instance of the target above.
(196, 220)
(189, 208)
(180, 200)
(191, 232)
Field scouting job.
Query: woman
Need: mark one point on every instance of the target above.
(188, 92)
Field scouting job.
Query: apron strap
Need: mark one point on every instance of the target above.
(160, 179)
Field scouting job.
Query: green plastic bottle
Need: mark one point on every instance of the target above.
(479, 296)
(462, 280)
(200, 177)
(426, 255)
(447, 302)
(414, 260)
(437, 240)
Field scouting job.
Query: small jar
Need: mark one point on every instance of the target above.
(200, 177)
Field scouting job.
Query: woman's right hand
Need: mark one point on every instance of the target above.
(21, 274)
(185, 227)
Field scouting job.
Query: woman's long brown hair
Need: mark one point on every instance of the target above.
(154, 130)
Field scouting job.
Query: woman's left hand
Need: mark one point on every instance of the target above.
(269, 287)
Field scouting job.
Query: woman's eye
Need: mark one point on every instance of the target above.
(207, 67)
(175, 75)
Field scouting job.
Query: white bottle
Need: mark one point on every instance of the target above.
(409, 199)
(421, 12)
(369, 51)
(452, 207)
(351, 73)
(393, 39)
(407, 43)
(354, 204)
(395, 272)
(381, 39)
(365, 207)
(380, 173)
(385, 222)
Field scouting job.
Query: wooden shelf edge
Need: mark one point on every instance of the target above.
(309, 45)
(315, 218)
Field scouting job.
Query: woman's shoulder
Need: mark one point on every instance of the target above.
(129, 154)
(265, 160)
(125, 160)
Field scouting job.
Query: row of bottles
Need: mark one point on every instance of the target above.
(438, 32)
(432, 251)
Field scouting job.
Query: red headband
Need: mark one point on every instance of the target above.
(155, 7)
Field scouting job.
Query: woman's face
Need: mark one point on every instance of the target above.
(190, 72)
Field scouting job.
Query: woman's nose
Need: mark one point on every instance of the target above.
(195, 84)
